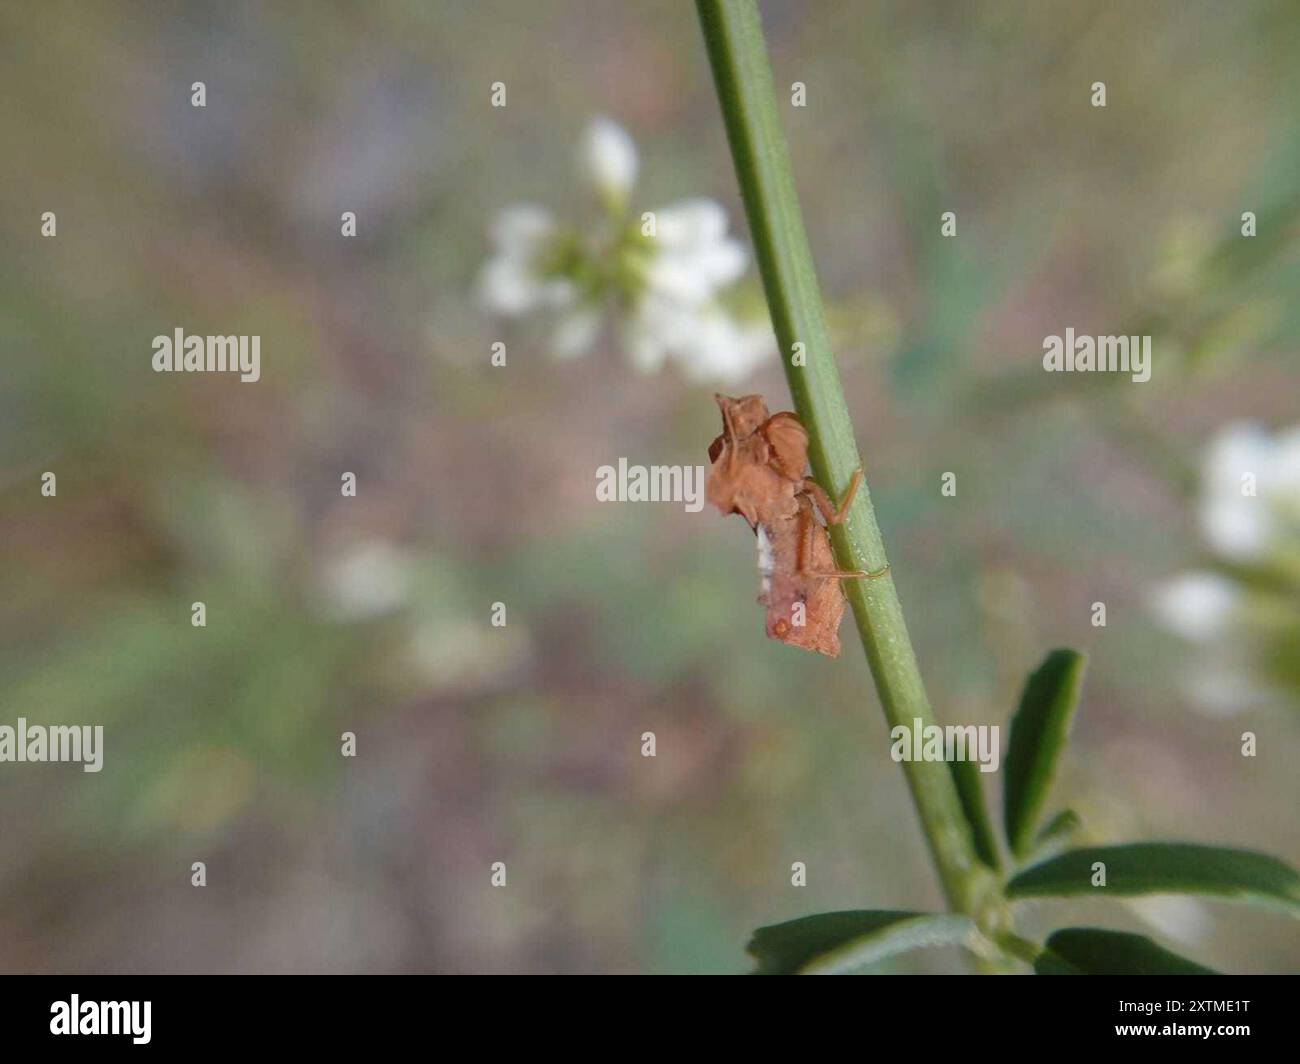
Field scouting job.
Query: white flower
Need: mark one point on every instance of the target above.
(677, 314)
(608, 155)
(694, 257)
(728, 351)
(365, 580)
(1197, 606)
(670, 278)
(1241, 527)
(1250, 516)
(708, 343)
(514, 281)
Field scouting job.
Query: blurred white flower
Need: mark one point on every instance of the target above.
(1175, 916)
(456, 653)
(1196, 606)
(519, 279)
(664, 279)
(710, 344)
(1250, 517)
(365, 580)
(694, 256)
(1238, 525)
(608, 157)
(515, 280)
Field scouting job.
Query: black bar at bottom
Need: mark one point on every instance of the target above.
(339, 1013)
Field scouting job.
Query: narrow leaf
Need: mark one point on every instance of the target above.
(1055, 837)
(1164, 868)
(1038, 733)
(842, 941)
(970, 791)
(1089, 951)
(1061, 826)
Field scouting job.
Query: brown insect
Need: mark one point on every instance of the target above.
(758, 471)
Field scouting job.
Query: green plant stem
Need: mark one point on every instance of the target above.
(733, 34)
(1021, 948)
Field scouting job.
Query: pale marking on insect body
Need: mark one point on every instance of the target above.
(766, 563)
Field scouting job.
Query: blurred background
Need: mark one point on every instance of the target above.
(372, 614)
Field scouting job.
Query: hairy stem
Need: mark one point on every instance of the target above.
(733, 34)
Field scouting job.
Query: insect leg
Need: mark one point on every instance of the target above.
(806, 533)
(808, 528)
(848, 574)
(818, 495)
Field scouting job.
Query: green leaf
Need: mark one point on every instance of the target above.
(1055, 836)
(1038, 734)
(1164, 868)
(842, 941)
(1090, 951)
(970, 791)
(1065, 823)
